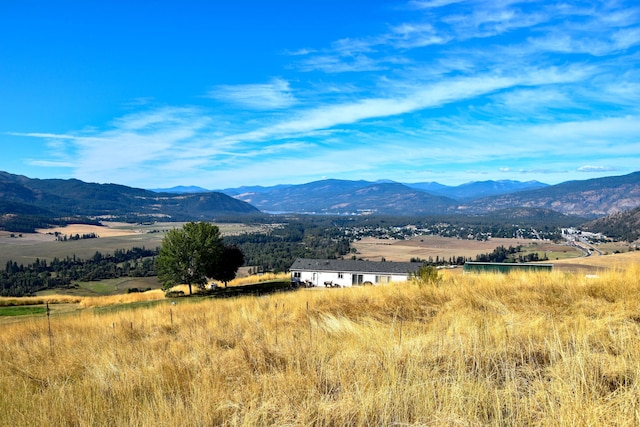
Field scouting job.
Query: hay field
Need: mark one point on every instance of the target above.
(445, 247)
(522, 349)
(110, 230)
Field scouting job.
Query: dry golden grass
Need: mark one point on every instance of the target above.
(524, 349)
(102, 231)
(153, 295)
(84, 302)
(253, 279)
(596, 262)
(51, 299)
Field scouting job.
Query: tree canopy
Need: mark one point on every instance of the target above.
(194, 254)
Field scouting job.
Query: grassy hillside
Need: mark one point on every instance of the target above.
(524, 349)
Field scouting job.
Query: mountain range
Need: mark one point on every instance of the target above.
(585, 198)
(471, 190)
(333, 196)
(57, 198)
(60, 198)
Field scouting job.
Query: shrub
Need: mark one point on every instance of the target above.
(426, 275)
(174, 294)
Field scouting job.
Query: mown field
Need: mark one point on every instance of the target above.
(523, 349)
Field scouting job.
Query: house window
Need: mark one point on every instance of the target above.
(340, 276)
(383, 279)
(297, 274)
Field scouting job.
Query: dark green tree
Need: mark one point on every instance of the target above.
(231, 260)
(192, 255)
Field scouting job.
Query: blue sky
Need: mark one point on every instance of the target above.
(222, 94)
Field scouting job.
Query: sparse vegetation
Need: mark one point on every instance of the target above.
(518, 349)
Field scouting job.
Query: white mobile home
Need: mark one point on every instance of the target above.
(338, 272)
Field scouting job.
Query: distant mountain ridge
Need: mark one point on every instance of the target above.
(589, 198)
(58, 198)
(470, 190)
(474, 190)
(181, 189)
(289, 198)
(340, 197)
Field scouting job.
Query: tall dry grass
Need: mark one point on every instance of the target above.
(523, 349)
(51, 299)
(84, 302)
(257, 278)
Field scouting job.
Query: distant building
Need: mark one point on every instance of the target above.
(343, 273)
(504, 267)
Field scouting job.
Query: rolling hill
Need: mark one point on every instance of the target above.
(48, 199)
(621, 226)
(587, 198)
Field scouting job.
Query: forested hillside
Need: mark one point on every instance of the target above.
(26, 204)
(589, 198)
(21, 280)
(620, 226)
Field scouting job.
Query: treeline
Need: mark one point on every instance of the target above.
(24, 223)
(510, 254)
(21, 280)
(63, 237)
(499, 254)
(277, 249)
(27, 223)
(438, 261)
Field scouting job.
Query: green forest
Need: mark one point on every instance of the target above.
(21, 280)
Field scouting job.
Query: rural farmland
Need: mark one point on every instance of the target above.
(425, 247)
(24, 248)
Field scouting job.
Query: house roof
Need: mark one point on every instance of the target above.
(354, 266)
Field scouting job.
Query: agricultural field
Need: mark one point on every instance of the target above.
(24, 248)
(447, 247)
(520, 349)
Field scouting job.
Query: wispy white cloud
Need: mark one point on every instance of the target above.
(276, 94)
(50, 163)
(431, 4)
(338, 64)
(592, 168)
